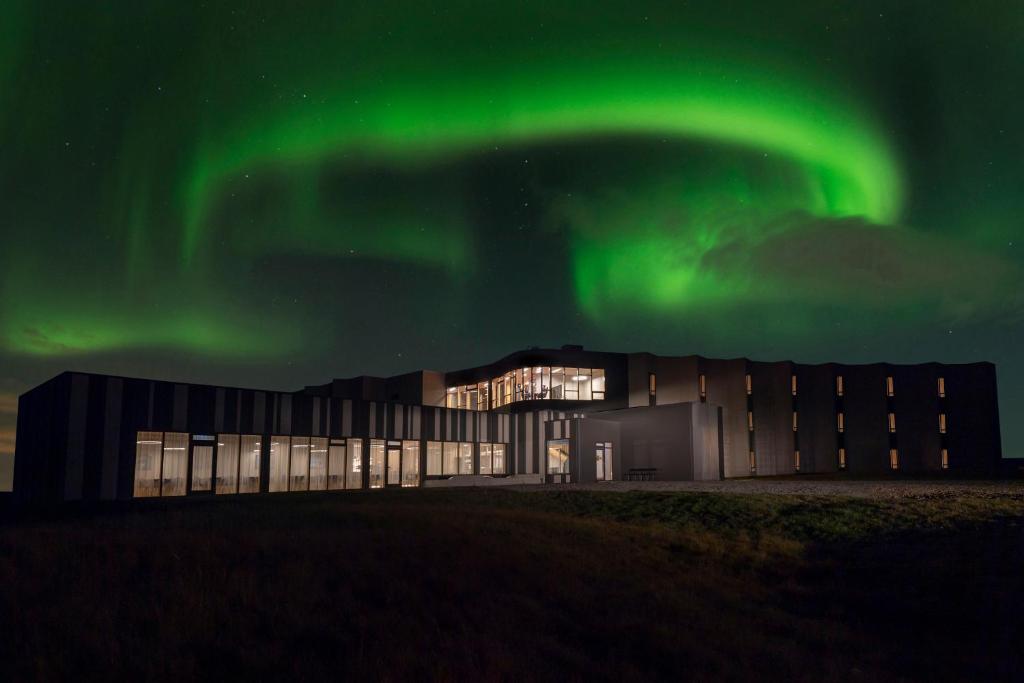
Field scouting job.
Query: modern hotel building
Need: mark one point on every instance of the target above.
(539, 415)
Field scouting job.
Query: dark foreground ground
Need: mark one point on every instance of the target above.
(505, 585)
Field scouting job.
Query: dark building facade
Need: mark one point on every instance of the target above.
(539, 415)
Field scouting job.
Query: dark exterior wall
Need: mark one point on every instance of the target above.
(679, 440)
(866, 435)
(640, 365)
(676, 379)
(816, 402)
(773, 417)
(972, 410)
(582, 458)
(726, 387)
(916, 406)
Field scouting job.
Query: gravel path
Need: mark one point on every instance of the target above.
(855, 488)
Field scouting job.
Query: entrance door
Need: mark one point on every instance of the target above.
(394, 466)
(558, 461)
(603, 461)
(202, 468)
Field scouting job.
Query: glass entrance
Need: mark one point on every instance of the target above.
(603, 460)
(202, 468)
(394, 465)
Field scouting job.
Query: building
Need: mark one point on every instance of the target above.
(554, 415)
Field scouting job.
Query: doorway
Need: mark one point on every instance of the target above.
(202, 468)
(394, 466)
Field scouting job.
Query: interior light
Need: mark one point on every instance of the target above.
(581, 378)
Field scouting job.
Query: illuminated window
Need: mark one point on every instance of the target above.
(892, 422)
(279, 449)
(202, 467)
(750, 421)
(796, 460)
(336, 465)
(652, 384)
(298, 475)
(842, 458)
(376, 465)
(753, 460)
(750, 385)
(792, 384)
(499, 458)
(148, 450)
(558, 457)
(942, 423)
(840, 422)
(410, 463)
(354, 464)
(894, 459)
(598, 381)
(572, 384)
(434, 450)
(227, 464)
(173, 476)
(394, 463)
(317, 464)
(451, 458)
(942, 387)
(703, 382)
(839, 385)
(890, 389)
(558, 383)
(465, 458)
(486, 458)
(794, 421)
(945, 459)
(249, 456)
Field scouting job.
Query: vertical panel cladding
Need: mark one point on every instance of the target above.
(725, 381)
(179, 410)
(640, 365)
(200, 409)
(372, 411)
(300, 411)
(346, 417)
(773, 417)
(94, 425)
(815, 403)
(676, 379)
(162, 406)
(78, 413)
(219, 408)
(315, 417)
(436, 421)
(866, 432)
(396, 416)
(916, 405)
(113, 409)
(257, 420)
(134, 418)
(285, 404)
(972, 414)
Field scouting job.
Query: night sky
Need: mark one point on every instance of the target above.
(274, 194)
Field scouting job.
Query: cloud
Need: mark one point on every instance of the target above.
(8, 403)
(6, 441)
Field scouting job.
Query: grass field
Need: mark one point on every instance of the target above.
(479, 584)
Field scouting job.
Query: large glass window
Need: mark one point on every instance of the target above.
(465, 458)
(598, 384)
(498, 452)
(486, 458)
(279, 450)
(434, 468)
(202, 467)
(557, 383)
(586, 390)
(148, 450)
(249, 464)
(558, 456)
(377, 447)
(317, 464)
(354, 478)
(175, 465)
(227, 463)
(572, 384)
(410, 463)
(451, 458)
(298, 475)
(336, 465)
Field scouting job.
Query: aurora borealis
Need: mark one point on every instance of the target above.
(276, 195)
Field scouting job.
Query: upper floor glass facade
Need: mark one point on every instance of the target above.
(530, 384)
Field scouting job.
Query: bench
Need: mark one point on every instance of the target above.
(641, 473)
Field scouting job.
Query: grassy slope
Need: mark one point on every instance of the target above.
(483, 584)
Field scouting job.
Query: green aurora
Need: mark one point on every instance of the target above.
(274, 196)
